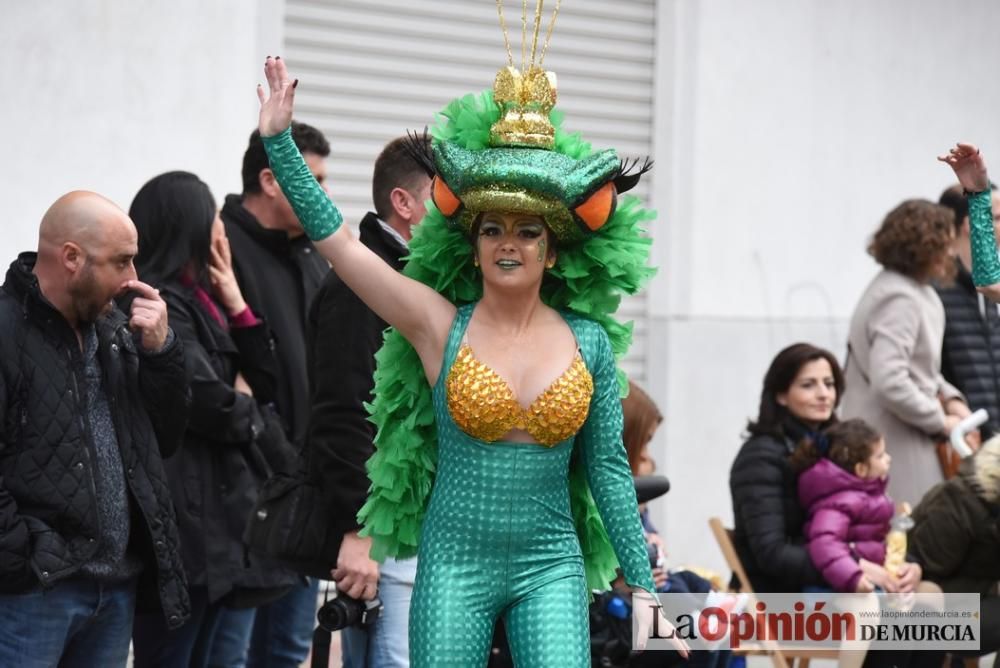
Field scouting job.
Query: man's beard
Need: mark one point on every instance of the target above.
(83, 291)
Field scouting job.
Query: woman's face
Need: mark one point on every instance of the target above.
(812, 395)
(513, 248)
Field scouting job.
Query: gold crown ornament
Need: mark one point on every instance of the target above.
(521, 170)
(525, 96)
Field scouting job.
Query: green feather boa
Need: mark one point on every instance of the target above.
(589, 279)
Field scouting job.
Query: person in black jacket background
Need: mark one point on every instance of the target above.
(970, 355)
(233, 438)
(344, 335)
(801, 390)
(91, 399)
(279, 272)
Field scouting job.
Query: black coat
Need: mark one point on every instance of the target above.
(970, 355)
(956, 536)
(767, 533)
(279, 278)
(49, 520)
(232, 442)
(343, 336)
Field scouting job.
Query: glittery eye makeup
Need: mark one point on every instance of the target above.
(529, 230)
(491, 228)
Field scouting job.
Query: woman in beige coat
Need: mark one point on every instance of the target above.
(893, 370)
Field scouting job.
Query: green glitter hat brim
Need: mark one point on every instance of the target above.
(506, 199)
(523, 180)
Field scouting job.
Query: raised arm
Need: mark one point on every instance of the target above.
(417, 311)
(970, 168)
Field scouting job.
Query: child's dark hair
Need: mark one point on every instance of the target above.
(845, 444)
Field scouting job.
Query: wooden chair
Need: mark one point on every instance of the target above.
(779, 657)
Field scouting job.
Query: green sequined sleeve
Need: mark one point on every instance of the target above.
(312, 205)
(608, 472)
(985, 263)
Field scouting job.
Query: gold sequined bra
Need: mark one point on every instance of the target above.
(483, 406)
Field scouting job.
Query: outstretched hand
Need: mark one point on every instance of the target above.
(969, 166)
(276, 108)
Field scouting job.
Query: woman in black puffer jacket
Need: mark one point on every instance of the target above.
(234, 438)
(801, 390)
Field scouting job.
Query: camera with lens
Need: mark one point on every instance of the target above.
(345, 611)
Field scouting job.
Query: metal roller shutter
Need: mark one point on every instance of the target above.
(374, 68)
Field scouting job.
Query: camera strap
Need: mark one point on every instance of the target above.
(322, 639)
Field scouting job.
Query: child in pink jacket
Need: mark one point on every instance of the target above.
(842, 488)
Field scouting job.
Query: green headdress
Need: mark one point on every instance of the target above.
(597, 266)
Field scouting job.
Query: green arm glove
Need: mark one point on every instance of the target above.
(319, 216)
(985, 263)
(608, 472)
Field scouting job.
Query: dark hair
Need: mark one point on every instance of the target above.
(913, 238)
(395, 168)
(173, 215)
(954, 199)
(845, 444)
(641, 416)
(779, 377)
(307, 138)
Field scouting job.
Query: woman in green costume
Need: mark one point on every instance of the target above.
(497, 392)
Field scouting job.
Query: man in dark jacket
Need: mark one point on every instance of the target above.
(279, 272)
(90, 400)
(344, 335)
(970, 356)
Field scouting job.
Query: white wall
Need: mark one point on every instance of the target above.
(103, 95)
(788, 129)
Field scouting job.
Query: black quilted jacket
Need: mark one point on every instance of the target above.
(767, 533)
(970, 355)
(48, 507)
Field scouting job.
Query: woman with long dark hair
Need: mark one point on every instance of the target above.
(802, 388)
(233, 439)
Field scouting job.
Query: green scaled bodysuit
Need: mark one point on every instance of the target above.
(985, 263)
(499, 535)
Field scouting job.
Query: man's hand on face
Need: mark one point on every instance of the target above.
(148, 316)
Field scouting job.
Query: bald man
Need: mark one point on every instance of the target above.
(91, 399)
